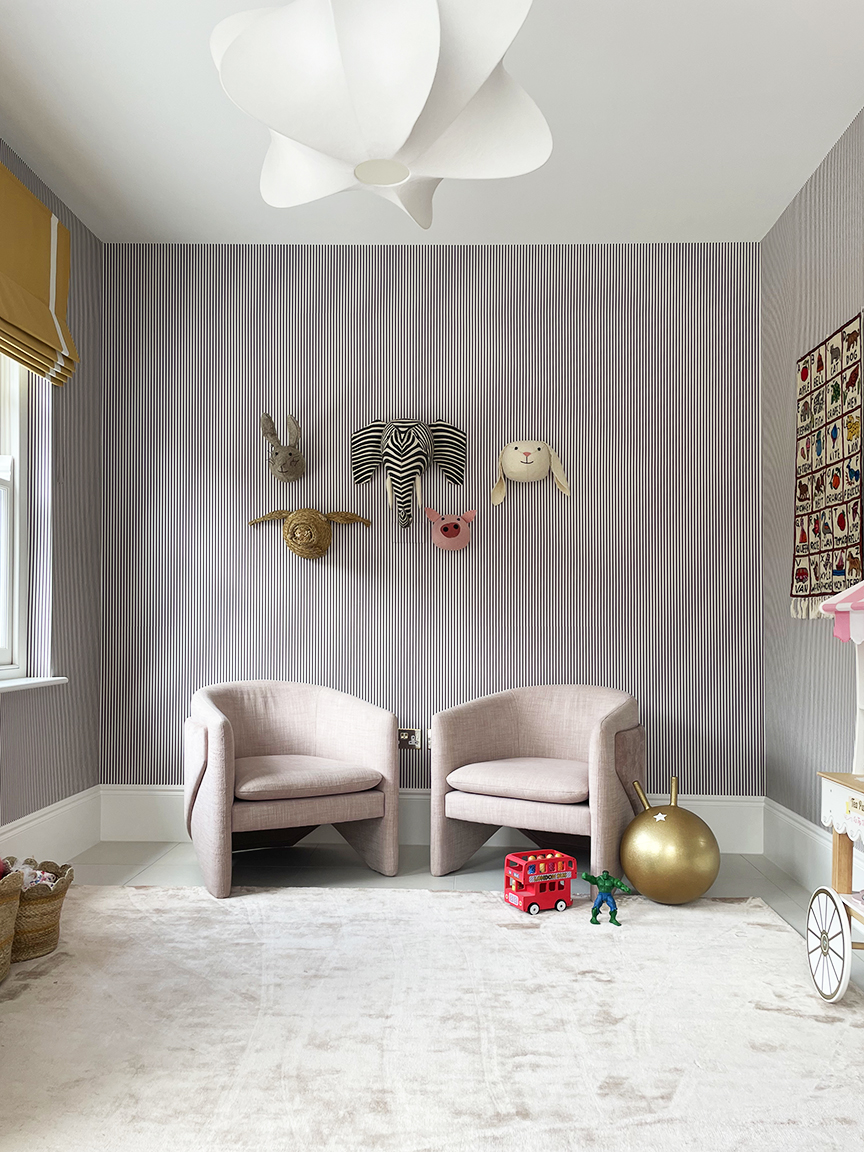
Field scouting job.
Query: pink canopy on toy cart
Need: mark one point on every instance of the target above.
(847, 608)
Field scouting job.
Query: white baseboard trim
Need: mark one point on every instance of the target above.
(154, 812)
(58, 832)
(802, 849)
(736, 821)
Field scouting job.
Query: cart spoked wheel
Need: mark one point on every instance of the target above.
(533, 909)
(561, 905)
(829, 944)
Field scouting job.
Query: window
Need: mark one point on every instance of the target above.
(13, 519)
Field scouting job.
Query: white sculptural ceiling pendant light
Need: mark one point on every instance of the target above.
(391, 96)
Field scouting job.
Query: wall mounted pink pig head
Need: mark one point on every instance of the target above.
(451, 532)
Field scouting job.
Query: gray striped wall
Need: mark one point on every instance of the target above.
(812, 281)
(49, 737)
(639, 364)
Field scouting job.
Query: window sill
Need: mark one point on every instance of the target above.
(21, 683)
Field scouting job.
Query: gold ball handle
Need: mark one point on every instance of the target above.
(640, 793)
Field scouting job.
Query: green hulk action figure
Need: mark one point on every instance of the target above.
(605, 885)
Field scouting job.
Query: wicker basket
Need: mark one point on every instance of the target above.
(37, 925)
(10, 891)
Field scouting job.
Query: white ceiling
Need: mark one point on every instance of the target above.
(673, 120)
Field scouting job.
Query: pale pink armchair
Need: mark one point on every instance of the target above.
(557, 758)
(267, 761)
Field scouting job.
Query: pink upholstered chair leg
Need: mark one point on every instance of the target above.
(376, 841)
(214, 853)
(454, 842)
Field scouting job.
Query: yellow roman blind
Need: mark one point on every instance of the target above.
(34, 283)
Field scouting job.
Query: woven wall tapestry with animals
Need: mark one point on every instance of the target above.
(828, 511)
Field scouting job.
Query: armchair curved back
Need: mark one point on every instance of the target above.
(277, 717)
(558, 720)
(267, 717)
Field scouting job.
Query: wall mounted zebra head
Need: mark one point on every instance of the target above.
(406, 448)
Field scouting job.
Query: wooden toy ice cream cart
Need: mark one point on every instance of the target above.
(829, 938)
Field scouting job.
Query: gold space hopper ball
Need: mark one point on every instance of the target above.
(668, 853)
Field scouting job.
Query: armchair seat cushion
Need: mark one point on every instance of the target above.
(525, 778)
(291, 777)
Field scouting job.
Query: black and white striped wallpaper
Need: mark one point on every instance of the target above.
(638, 364)
(49, 737)
(812, 280)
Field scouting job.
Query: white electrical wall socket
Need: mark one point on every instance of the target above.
(410, 738)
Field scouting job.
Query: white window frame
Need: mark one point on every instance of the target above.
(13, 487)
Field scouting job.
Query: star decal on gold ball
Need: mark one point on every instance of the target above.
(660, 816)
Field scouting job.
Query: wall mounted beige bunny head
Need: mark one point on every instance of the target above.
(528, 460)
(286, 460)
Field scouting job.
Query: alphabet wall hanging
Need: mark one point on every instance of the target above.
(828, 544)
(528, 460)
(286, 460)
(451, 533)
(307, 531)
(406, 448)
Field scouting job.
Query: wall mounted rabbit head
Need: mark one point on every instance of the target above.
(528, 460)
(286, 460)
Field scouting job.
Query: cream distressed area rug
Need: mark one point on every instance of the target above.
(305, 1020)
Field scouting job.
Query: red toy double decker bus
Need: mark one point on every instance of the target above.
(537, 881)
